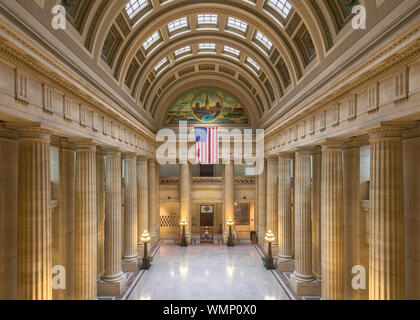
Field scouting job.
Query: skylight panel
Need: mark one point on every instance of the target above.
(207, 47)
(231, 51)
(182, 51)
(281, 6)
(178, 24)
(237, 24)
(207, 19)
(263, 40)
(161, 64)
(153, 39)
(133, 7)
(253, 63)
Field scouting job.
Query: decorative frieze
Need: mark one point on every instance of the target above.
(373, 98)
(352, 104)
(67, 107)
(48, 98)
(401, 85)
(21, 86)
(335, 115)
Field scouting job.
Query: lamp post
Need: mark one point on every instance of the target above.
(183, 223)
(269, 264)
(145, 239)
(230, 238)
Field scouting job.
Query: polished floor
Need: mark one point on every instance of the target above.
(208, 272)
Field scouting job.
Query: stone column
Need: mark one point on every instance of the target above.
(351, 198)
(130, 261)
(262, 204)
(316, 212)
(85, 223)
(114, 281)
(67, 213)
(332, 217)
(302, 280)
(284, 258)
(272, 196)
(386, 257)
(152, 200)
(8, 213)
(100, 191)
(157, 197)
(34, 214)
(142, 202)
(185, 198)
(229, 197)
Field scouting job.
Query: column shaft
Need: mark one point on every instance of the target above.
(34, 216)
(85, 246)
(100, 191)
(185, 198)
(272, 195)
(262, 204)
(386, 258)
(228, 181)
(332, 248)
(142, 200)
(316, 212)
(130, 208)
(8, 213)
(152, 200)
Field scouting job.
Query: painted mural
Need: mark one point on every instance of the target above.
(207, 106)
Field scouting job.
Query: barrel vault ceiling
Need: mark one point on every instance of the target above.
(263, 52)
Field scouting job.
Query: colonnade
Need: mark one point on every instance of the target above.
(314, 211)
(91, 246)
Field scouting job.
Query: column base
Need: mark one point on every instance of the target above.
(284, 265)
(131, 265)
(305, 288)
(112, 289)
(140, 250)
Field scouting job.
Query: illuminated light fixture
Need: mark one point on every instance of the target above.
(145, 239)
(269, 237)
(183, 223)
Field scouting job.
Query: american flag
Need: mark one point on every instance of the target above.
(207, 145)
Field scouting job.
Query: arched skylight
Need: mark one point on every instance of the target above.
(263, 40)
(133, 7)
(182, 51)
(178, 24)
(281, 6)
(207, 19)
(237, 24)
(149, 42)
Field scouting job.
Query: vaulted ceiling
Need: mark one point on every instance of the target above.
(258, 50)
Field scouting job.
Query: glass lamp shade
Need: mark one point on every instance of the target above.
(145, 237)
(269, 237)
(183, 221)
(230, 221)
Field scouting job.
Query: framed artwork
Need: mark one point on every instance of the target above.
(242, 214)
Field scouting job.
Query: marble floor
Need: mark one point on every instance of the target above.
(208, 272)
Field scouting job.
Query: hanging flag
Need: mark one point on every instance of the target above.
(206, 145)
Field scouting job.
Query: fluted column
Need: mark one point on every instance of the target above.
(185, 198)
(152, 200)
(302, 280)
(386, 234)
(272, 196)
(332, 222)
(316, 212)
(34, 215)
(85, 223)
(228, 181)
(67, 214)
(100, 191)
(351, 199)
(284, 258)
(130, 213)
(114, 278)
(262, 204)
(8, 213)
(142, 202)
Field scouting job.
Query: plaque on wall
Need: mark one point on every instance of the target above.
(206, 209)
(242, 214)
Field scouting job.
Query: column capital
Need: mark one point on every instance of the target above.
(317, 150)
(67, 145)
(285, 155)
(352, 143)
(129, 155)
(31, 130)
(384, 130)
(7, 133)
(331, 144)
(83, 144)
(112, 150)
(100, 151)
(305, 150)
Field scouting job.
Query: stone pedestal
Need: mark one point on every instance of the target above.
(142, 202)
(386, 257)
(284, 258)
(114, 280)
(130, 258)
(85, 226)
(34, 214)
(305, 288)
(332, 222)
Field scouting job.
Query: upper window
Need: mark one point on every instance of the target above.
(281, 6)
(162, 64)
(236, 24)
(231, 51)
(133, 7)
(207, 47)
(152, 40)
(263, 40)
(253, 64)
(207, 19)
(178, 25)
(183, 51)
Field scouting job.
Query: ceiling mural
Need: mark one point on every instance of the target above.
(207, 106)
